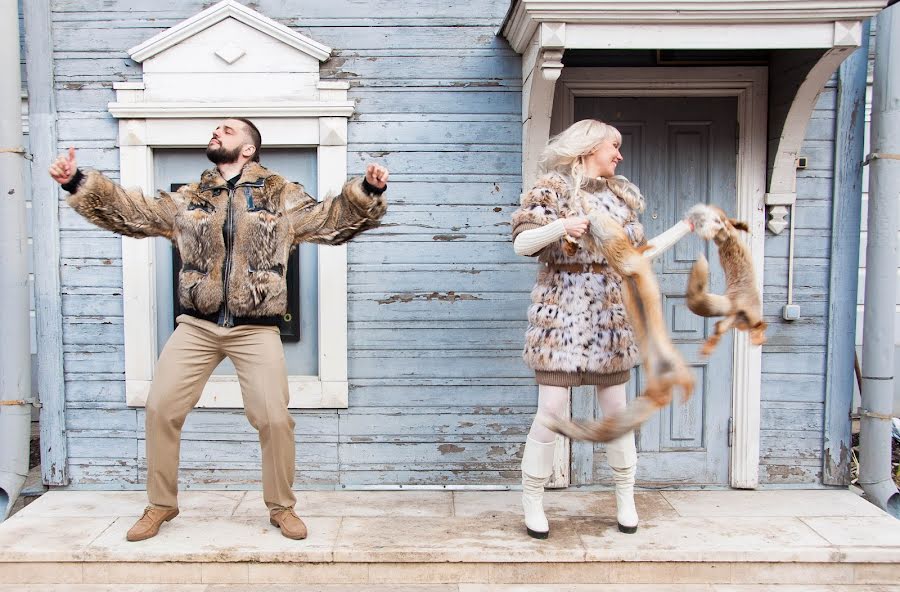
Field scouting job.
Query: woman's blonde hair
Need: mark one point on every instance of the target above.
(565, 151)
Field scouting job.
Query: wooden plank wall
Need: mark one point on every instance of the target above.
(840, 380)
(793, 382)
(437, 300)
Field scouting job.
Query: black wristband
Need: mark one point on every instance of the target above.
(74, 182)
(371, 189)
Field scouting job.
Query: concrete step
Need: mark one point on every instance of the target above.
(866, 575)
(689, 538)
(441, 588)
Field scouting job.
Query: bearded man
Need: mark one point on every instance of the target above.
(234, 231)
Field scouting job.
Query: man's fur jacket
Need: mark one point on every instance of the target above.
(578, 332)
(233, 244)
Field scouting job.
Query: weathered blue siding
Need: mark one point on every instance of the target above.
(793, 382)
(437, 298)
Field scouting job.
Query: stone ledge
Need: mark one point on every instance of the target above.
(690, 537)
(848, 574)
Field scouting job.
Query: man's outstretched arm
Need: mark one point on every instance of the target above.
(335, 220)
(108, 205)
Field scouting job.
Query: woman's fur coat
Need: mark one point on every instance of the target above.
(577, 323)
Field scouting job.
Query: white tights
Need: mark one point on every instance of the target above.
(552, 401)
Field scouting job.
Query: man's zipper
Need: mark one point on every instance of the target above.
(228, 320)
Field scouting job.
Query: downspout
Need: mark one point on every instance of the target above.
(15, 353)
(881, 271)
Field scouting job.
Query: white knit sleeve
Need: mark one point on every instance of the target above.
(663, 242)
(529, 242)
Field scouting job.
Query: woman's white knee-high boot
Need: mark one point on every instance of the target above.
(621, 455)
(537, 466)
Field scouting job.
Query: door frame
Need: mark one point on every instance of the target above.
(750, 86)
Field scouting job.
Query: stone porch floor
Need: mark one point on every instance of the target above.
(700, 540)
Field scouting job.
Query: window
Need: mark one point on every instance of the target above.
(289, 324)
(176, 167)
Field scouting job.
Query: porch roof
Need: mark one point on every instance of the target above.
(810, 22)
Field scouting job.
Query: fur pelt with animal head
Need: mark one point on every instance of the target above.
(664, 368)
(741, 305)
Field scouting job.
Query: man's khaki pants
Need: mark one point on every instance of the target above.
(187, 360)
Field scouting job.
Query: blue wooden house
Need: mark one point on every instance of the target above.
(404, 346)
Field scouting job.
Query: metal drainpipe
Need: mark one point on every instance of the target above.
(15, 353)
(881, 271)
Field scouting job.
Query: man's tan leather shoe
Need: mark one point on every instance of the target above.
(149, 523)
(290, 524)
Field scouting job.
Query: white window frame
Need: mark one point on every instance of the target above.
(156, 114)
(142, 129)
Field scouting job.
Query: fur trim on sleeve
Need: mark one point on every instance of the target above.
(124, 211)
(337, 219)
(371, 206)
(539, 206)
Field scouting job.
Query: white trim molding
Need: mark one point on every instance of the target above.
(691, 24)
(216, 14)
(157, 112)
(183, 110)
(541, 67)
(749, 86)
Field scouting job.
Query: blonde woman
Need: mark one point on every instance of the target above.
(578, 333)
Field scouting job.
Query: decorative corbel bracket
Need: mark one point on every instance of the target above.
(551, 64)
(553, 43)
(778, 203)
(541, 68)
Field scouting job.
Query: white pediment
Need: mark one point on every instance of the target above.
(230, 52)
(212, 17)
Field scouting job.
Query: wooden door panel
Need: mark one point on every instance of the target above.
(679, 151)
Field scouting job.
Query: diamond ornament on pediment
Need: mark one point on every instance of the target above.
(230, 52)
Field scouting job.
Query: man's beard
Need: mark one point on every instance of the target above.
(221, 155)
